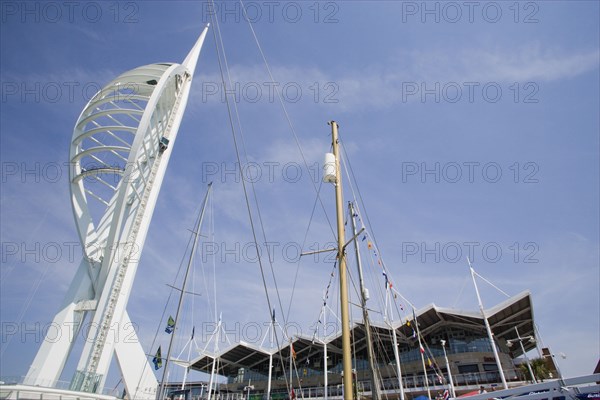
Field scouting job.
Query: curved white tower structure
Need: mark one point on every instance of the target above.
(119, 154)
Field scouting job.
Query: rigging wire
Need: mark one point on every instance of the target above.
(254, 193)
(32, 293)
(214, 259)
(378, 340)
(287, 116)
(211, 300)
(297, 141)
(325, 298)
(360, 198)
(164, 312)
(299, 146)
(302, 248)
(222, 58)
(318, 198)
(350, 172)
(34, 288)
(352, 178)
(462, 288)
(491, 284)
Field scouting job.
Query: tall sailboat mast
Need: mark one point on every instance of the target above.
(363, 303)
(196, 233)
(341, 257)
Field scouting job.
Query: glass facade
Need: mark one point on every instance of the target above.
(469, 351)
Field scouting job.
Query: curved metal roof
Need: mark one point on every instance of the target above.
(515, 312)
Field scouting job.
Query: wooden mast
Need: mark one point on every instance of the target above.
(341, 257)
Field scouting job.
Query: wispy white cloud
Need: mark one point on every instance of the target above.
(381, 85)
(528, 62)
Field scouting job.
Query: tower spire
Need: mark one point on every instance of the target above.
(124, 133)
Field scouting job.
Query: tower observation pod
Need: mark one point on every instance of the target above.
(120, 149)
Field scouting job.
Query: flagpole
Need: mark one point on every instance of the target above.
(395, 339)
(291, 371)
(422, 351)
(214, 364)
(160, 394)
(451, 382)
(363, 301)
(325, 379)
(487, 327)
(272, 340)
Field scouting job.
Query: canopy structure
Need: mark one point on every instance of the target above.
(515, 312)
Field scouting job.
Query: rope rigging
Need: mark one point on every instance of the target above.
(254, 211)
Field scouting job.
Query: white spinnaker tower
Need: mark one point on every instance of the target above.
(119, 154)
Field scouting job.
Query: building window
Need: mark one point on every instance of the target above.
(490, 367)
(468, 368)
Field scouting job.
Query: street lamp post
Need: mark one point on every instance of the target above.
(452, 393)
(520, 340)
(248, 389)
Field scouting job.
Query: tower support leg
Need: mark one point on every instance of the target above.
(61, 333)
(136, 371)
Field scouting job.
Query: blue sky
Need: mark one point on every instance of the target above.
(466, 128)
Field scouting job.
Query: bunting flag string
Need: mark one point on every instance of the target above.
(370, 246)
(439, 377)
(388, 284)
(375, 254)
(325, 297)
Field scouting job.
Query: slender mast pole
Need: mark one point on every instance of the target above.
(421, 349)
(395, 339)
(324, 343)
(214, 364)
(347, 355)
(487, 327)
(182, 292)
(325, 372)
(363, 303)
(291, 370)
(272, 340)
(451, 382)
